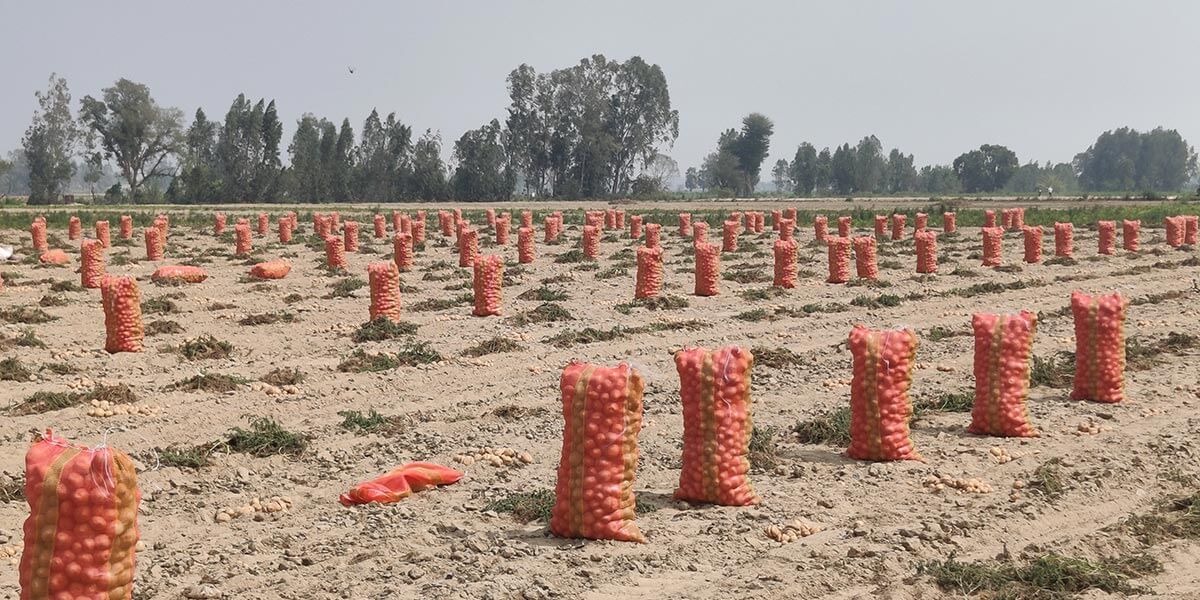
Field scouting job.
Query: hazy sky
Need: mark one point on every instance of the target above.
(933, 78)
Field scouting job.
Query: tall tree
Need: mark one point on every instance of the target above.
(384, 158)
(199, 180)
(751, 149)
(937, 180)
(987, 169)
(901, 174)
(248, 151)
(782, 177)
(1126, 159)
(341, 179)
(803, 169)
(691, 179)
(870, 167)
(483, 173)
(823, 173)
(429, 173)
(134, 131)
(50, 142)
(841, 169)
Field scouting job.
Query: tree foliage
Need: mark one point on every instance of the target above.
(737, 161)
(134, 132)
(50, 143)
(1126, 159)
(482, 173)
(987, 169)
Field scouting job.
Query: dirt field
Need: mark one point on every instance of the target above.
(879, 523)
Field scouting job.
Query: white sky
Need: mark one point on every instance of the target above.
(934, 78)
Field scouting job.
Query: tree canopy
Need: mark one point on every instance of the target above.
(134, 131)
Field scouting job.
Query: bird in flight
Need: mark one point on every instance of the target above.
(351, 69)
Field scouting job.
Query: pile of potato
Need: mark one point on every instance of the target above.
(104, 408)
(497, 457)
(791, 532)
(274, 504)
(971, 485)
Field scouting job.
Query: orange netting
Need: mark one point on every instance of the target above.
(81, 535)
(468, 247)
(350, 235)
(37, 232)
(591, 241)
(785, 264)
(126, 227)
(489, 277)
(102, 233)
(602, 410)
(91, 263)
(898, 222)
(74, 228)
(527, 218)
(122, 314)
(922, 222)
(881, 226)
(714, 387)
(839, 259)
(653, 235)
(1129, 235)
(927, 258)
(879, 405)
(384, 279)
(1099, 347)
(787, 229)
(272, 269)
(729, 236)
(241, 241)
(179, 273)
(285, 225)
(525, 246)
(1175, 227)
(708, 269)
(402, 251)
(699, 232)
(154, 243)
(503, 230)
(400, 483)
(335, 253)
(1064, 239)
(685, 224)
(1191, 229)
(865, 263)
(54, 257)
(993, 237)
(1033, 243)
(379, 225)
(949, 222)
(820, 228)
(635, 227)
(989, 218)
(649, 272)
(1003, 344)
(845, 226)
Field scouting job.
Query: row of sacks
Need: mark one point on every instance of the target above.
(602, 410)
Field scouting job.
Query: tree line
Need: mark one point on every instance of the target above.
(595, 129)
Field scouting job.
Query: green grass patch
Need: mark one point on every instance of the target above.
(544, 313)
(211, 382)
(159, 306)
(543, 294)
(370, 422)
(381, 329)
(536, 505)
(25, 315)
(205, 347)
(1047, 577)
(163, 327)
(281, 376)
(345, 288)
(265, 437)
(1054, 371)
(44, 401)
(494, 345)
(12, 369)
(831, 427)
(270, 318)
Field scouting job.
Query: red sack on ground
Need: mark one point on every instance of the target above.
(653, 235)
(820, 228)
(122, 314)
(785, 264)
(489, 277)
(1175, 227)
(839, 260)
(708, 269)
(272, 269)
(384, 280)
(992, 238)
(54, 257)
(1099, 347)
(335, 253)
(602, 410)
(685, 224)
(177, 273)
(154, 244)
(241, 244)
(649, 272)
(81, 534)
(1003, 344)
(91, 263)
(926, 248)
(635, 227)
(898, 226)
(881, 223)
(74, 228)
(845, 225)
(879, 405)
(591, 241)
(729, 236)
(865, 264)
(949, 222)
(1129, 234)
(103, 234)
(922, 222)
(1033, 244)
(715, 389)
(1064, 239)
(400, 483)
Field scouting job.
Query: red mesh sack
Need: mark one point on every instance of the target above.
(418, 232)
(468, 247)
(1175, 226)
(154, 244)
(635, 227)
(714, 387)
(1006, 218)
(653, 235)
(790, 213)
(845, 225)
(699, 232)
(591, 241)
(708, 269)
(272, 269)
(264, 223)
(527, 218)
(102, 233)
(37, 231)
(776, 217)
(879, 405)
(1190, 228)
(548, 228)
(1064, 239)
(445, 224)
(1018, 217)
(610, 218)
(1099, 347)
(379, 225)
(787, 229)
(402, 252)
(785, 264)
(602, 414)
(81, 535)
(178, 274)
(490, 216)
(927, 258)
(350, 233)
(1003, 344)
(489, 276)
(949, 222)
(335, 253)
(649, 273)
(1129, 235)
(241, 241)
(729, 236)
(820, 228)
(91, 263)
(122, 314)
(922, 222)
(758, 222)
(685, 224)
(384, 279)
(839, 259)
(620, 219)
(503, 229)
(219, 223)
(865, 263)
(285, 225)
(1106, 237)
(525, 245)
(898, 222)
(748, 220)
(989, 218)
(321, 226)
(881, 223)
(335, 221)
(54, 257)
(74, 228)
(396, 225)
(405, 224)
(595, 218)
(126, 227)
(1033, 244)
(993, 237)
